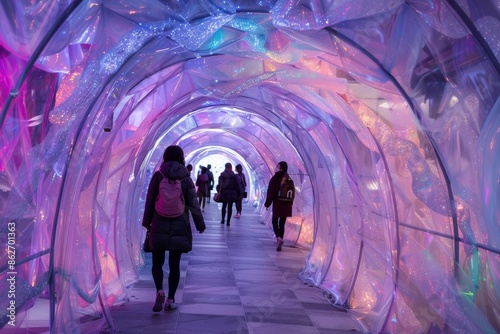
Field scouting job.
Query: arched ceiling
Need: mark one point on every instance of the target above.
(379, 109)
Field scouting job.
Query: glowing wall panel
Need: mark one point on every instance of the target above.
(387, 114)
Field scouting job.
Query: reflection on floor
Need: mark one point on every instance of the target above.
(234, 281)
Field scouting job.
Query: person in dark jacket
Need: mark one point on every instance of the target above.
(243, 185)
(230, 191)
(211, 181)
(202, 184)
(170, 234)
(281, 210)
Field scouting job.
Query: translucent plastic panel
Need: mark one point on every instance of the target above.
(387, 114)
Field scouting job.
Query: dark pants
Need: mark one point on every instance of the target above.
(174, 261)
(229, 206)
(239, 205)
(279, 226)
(202, 200)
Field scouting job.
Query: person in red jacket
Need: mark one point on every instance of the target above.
(202, 184)
(281, 209)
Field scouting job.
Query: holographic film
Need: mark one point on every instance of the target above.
(387, 113)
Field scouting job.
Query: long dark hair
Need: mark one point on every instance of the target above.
(174, 153)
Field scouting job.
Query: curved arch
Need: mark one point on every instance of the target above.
(356, 119)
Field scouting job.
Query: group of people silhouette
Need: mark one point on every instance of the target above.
(174, 234)
(231, 187)
(205, 185)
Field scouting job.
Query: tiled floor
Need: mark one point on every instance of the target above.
(234, 281)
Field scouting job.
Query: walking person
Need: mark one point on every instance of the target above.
(189, 167)
(211, 181)
(243, 185)
(202, 184)
(168, 232)
(281, 199)
(230, 192)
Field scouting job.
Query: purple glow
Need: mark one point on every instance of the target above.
(387, 114)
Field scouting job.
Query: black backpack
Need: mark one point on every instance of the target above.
(287, 189)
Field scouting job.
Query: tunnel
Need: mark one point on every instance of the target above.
(386, 112)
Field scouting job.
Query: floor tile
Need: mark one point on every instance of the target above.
(233, 281)
(267, 328)
(195, 323)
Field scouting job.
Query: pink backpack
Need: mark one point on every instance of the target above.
(170, 201)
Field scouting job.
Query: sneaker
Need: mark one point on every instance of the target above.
(170, 305)
(237, 215)
(228, 224)
(160, 299)
(280, 243)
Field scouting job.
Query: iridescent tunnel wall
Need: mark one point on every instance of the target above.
(387, 113)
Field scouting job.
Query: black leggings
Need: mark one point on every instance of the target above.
(239, 204)
(229, 206)
(279, 226)
(202, 200)
(174, 261)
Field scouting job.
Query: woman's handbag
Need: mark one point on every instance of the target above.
(146, 246)
(245, 194)
(217, 197)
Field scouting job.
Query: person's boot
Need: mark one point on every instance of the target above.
(280, 243)
(160, 299)
(170, 305)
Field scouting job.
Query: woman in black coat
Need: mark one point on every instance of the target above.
(171, 234)
(281, 209)
(229, 191)
(243, 185)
